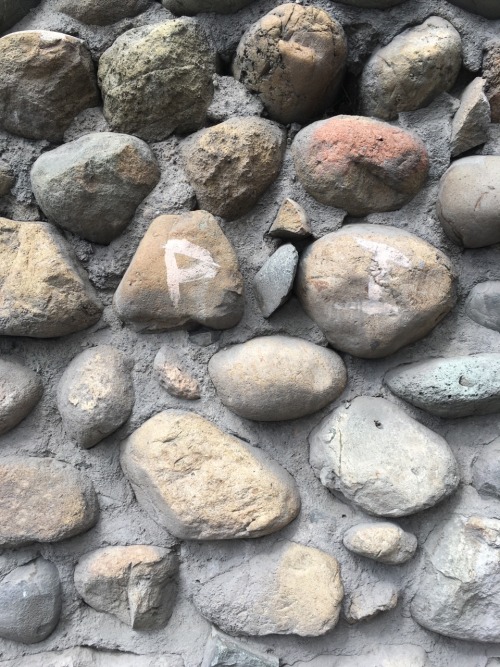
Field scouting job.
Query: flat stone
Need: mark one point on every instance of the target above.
(47, 79)
(468, 203)
(486, 469)
(231, 99)
(30, 602)
(93, 186)
(96, 12)
(459, 590)
(291, 222)
(190, 7)
(383, 541)
(273, 283)
(43, 500)
(487, 8)
(20, 390)
(184, 273)
(290, 590)
(223, 651)
(412, 70)
(373, 289)
(369, 601)
(95, 395)
(483, 304)
(294, 59)
(272, 378)
(82, 656)
(232, 164)
(384, 462)
(7, 179)
(491, 73)
(175, 374)
(360, 164)
(472, 121)
(157, 79)
(12, 11)
(134, 583)
(203, 484)
(403, 655)
(44, 292)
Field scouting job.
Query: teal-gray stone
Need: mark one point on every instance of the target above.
(223, 651)
(191, 7)
(486, 469)
(490, 9)
(450, 387)
(274, 282)
(483, 304)
(12, 11)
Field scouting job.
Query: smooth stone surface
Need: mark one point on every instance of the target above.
(30, 602)
(372, 454)
(12, 11)
(157, 79)
(232, 164)
(491, 73)
(191, 7)
(175, 374)
(486, 469)
(373, 289)
(273, 282)
(82, 656)
(20, 390)
(291, 222)
(413, 69)
(223, 651)
(459, 589)
(472, 120)
(490, 9)
(403, 655)
(44, 292)
(369, 601)
(97, 12)
(450, 387)
(273, 378)
(468, 203)
(47, 79)
(7, 179)
(231, 99)
(483, 304)
(93, 186)
(360, 164)
(184, 273)
(95, 395)
(383, 541)
(204, 484)
(291, 589)
(43, 500)
(294, 59)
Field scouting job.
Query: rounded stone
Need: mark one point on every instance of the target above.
(7, 179)
(490, 9)
(273, 378)
(483, 304)
(293, 58)
(97, 12)
(373, 289)
(191, 7)
(360, 164)
(20, 390)
(383, 541)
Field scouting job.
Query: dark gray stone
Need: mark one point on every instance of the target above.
(20, 390)
(483, 304)
(490, 9)
(486, 469)
(7, 179)
(12, 11)
(97, 12)
(223, 651)
(274, 281)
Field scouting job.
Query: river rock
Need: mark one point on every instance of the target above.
(43, 500)
(294, 59)
(383, 541)
(273, 283)
(472, 121)
(291, 222)
(190, 7)
(82, 656)
(12, 11)
(30, 602)
(97, 12)
(232, 164)
(483, 304)
(360, 164)
(272, 378)
(413, 69)
(486, 469)
(491, 72)
(468, 203)
(20, 390)
(93, 186)
(490, 9)
(175, 374)
(223, 651)
(373, 289)
(157, 79)
(184, 273)
(384, 462)
(203, 484)
(47, 79)
(369, 601)
(7, 179)
(291, 589)
(43, 291)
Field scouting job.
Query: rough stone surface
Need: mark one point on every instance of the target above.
(370, 601)
(291, 222)
(486, 469)
(274, 378)
(82, 656)
(201, 483)
(184, 272)
(157, 79)
(232, 99)
(223, 651)
(93, 186)
(290, 590)
(30, 602)
(487, 8)
(491, 72)
(191, 7)
(406, 655)
(373, 289)
(12, 11)
(274, 281)
(7, 179)
(381, 460)
(232, 164)
(97, 12)
(43, 500)
(483, 304)
(360, 164)
(20, 390)
(175, 374)
(383, 541)
(472, 120)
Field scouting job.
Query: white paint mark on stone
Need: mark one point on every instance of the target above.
(204, 269)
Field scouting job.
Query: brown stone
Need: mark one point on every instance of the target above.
(291, 222)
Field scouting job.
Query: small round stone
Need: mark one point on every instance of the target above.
(383, 541)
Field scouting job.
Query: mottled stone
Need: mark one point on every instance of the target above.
(232, 164)
(82, 656)
(185, 272)
(472, 120)
(291, 222)
(223, 651)
(191, 7)
(369, 601)
(231, 99)
(383, 541)
(12, 11)
(491, 73)
(486, 469)
(274, 281)
(201, 483)
(7, 179)
(291, 589)
(483, 304)
(20, 390)
(374, 455)
(272, 378)
(490, 9)
(175, 374)
(97, 12)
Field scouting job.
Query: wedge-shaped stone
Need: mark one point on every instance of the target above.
(201, 483)
(20, 390)
(223, 651)
(273, 283)
(291, 222)
(372, 454)
(472, 120)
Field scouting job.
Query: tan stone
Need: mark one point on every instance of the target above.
(175, 376)
(291, 222)
(382, 541)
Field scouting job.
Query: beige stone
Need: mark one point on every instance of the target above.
(20, 390)
(175, 375)
(382, 541)
(291, 222)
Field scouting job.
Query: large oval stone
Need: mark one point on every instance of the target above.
(20, 390)
(373, 289)
(384, 462)
(203, 484)
(272, 378)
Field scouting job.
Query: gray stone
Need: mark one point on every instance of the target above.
(383, 541)
(7, 179)
(93, 186)
(491, 73)
(12, 11)
(291, 222)
(176, 374)
(190, 7)
(472, 120)
(95, 395)
(403, 655)
(20, 390)
(490, 9)
(486, 469)
(483, 304)
(231, 99)
(372, 454)
(157, 79)
(30, 602)
(223, 651)
(369, 601)
(372, 4)
(274, 281)
(82, 656)
(97, 12)
(272, 378)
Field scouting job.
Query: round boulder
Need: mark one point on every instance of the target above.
(97, 12)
